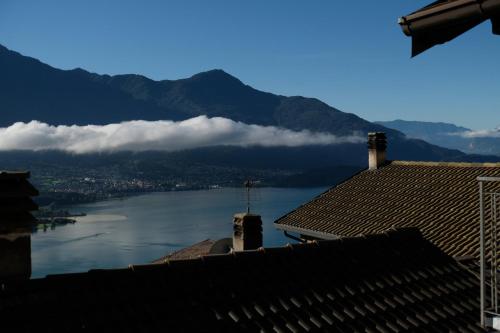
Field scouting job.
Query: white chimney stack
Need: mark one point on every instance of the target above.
(377, 144)
(247, 232)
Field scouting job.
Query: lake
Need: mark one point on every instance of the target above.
(140, 229)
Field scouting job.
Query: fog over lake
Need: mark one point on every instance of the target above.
(140, 229)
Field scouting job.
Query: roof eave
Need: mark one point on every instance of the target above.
(306, 232)
(443, 21)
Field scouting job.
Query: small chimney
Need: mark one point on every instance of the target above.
(247, 232)
(16, 223)
(377, 144)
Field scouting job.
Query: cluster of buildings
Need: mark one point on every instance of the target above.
(64, 187)
(69, 188)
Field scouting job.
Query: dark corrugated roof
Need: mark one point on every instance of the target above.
(441, 199)
(15, 202)
(381, 283)
(16, 223)
(14, 174)
(15, 185)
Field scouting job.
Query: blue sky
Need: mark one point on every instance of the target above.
(349, 54)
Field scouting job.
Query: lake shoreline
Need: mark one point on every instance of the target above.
(149, 226)
(125, 195)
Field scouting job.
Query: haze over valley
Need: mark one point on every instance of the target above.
(486, 142)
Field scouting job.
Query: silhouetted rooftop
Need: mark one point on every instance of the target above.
(396, 281)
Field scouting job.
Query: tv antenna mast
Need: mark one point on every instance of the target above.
(248, 185)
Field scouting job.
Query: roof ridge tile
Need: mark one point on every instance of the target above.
(448, 164)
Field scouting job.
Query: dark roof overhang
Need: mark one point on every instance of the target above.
(443, 20)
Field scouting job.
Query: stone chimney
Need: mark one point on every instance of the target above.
(377, 144)
(16, 223)
(247, 232)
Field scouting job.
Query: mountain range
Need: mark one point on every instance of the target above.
(449, 136)
(30, 89)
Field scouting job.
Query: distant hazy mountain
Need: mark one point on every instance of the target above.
(447, 135)
(31, 90)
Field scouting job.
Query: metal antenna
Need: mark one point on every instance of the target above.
(248, 185)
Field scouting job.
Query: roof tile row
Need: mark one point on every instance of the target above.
(441, 199)
(391, 282)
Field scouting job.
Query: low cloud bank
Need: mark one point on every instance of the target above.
(161, 135)
(494, 133)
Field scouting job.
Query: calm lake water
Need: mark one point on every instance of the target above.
(140, 229)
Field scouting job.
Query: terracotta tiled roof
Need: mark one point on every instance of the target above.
(441, 199)
(199, 249)
(391, 282)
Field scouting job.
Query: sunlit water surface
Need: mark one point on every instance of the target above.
(139, 229)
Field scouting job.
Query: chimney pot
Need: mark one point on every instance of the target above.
(247, 232)
(377, 144)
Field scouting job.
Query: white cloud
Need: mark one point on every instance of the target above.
(161, 135)
(494, 133)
